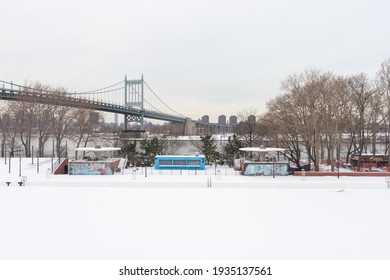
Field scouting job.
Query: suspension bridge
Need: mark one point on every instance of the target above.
(134, 99)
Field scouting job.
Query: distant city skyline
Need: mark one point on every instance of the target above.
(223, 119)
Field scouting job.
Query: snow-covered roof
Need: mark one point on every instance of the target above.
(98, 149)
(262, 150)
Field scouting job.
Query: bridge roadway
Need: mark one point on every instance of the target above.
(64, 100)
(20, 93)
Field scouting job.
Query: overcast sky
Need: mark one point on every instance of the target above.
(200, 56)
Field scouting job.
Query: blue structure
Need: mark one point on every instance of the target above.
(179, 162)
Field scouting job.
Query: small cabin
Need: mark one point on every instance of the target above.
(263, 162)
(195, 162)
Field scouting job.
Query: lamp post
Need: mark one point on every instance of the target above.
(273, 166)
(9, 160)
(338, 169)
(20, 164)
(38, 161)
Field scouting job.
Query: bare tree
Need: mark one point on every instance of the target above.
(42, 116)
(362, 94)
(9, 130)
(383, 86)
(248, 127)
(83, 130)
(62, 119)
(343, 108)
(309, 113)
(302, 90)
(3, 127)
(283, 126)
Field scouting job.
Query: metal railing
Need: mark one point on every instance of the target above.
(58, 161)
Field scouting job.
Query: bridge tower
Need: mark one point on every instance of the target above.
(134, 97)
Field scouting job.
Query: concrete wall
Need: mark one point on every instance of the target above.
(63, 168)
(92, 167)
(189, 127)
(357, 174)
(265, 169)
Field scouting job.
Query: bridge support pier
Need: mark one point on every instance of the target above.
(134, 97)
(189, 127)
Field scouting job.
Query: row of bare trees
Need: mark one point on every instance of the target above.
(20, 121)
(319, 111)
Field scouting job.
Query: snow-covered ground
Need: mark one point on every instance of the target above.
(168, 215)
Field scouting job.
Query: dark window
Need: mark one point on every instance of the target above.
(179, 162)
(194, 162)
(165, 162)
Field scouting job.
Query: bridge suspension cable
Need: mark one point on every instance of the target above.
(166, 105)
(103, 90)
(150, 100)
(39, 88)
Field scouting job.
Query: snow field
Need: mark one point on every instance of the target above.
(178, 217)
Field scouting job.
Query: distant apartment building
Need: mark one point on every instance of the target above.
(222, 119)
(205, 119)
(94, 118)
(252, 119)
(233, 120)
